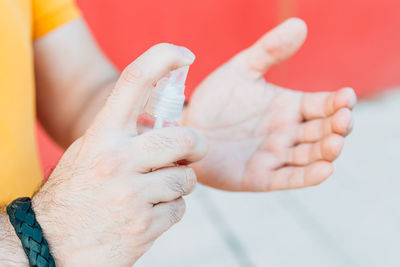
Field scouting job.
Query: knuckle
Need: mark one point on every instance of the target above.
(190, 180)
(143, 224)
(189, 139)
(175, 184)
(118, 197)
(118, 201)
(108, 165)
(182, 183)
(273, 50)
(132, 74)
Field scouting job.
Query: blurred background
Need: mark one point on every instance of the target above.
(351, 220)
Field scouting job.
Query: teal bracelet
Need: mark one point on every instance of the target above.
(30, 233)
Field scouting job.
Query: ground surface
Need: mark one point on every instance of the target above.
(353, 219)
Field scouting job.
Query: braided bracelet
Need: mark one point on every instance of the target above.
(29, 232)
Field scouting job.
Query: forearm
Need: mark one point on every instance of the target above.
(11, 251)
(73, 78)
(85, 114)
(69, 121)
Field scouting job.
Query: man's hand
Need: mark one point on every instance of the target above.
(263, 137)
(113, 192)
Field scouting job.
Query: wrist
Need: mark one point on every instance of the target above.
(53, 217)
(11, 251)
(47, 218)
(60, 230)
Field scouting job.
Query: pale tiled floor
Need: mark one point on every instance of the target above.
(353, 219)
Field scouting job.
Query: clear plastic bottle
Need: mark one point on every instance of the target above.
(165, 104)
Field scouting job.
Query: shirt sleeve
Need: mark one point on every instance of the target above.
(50, 14)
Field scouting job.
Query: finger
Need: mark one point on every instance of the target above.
(165, 215)
(292, 177)
(161, 147)
(168, 184)
(312, 131)
(327, 149)
(321, 105)
(274, 47)
(133, 87)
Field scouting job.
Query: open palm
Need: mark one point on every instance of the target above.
(263, 137)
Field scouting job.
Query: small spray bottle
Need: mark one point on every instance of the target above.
(165, 104)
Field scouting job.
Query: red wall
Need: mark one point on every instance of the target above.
(351, 42)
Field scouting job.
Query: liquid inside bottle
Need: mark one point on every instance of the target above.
(147, 122)
(165, 104)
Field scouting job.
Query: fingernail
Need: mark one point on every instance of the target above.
(187, 53)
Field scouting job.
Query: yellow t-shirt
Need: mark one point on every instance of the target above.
(21, 22)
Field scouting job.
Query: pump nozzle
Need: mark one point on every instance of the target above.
(168, 97)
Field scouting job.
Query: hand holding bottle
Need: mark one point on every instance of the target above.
(113, 194)
(165, 105)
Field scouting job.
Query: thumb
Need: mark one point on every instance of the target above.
(135, 83)
(275, 46)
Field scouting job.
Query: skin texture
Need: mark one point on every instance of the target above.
(263, 137)
(114, 192)
(73, 80)
(11, 252)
